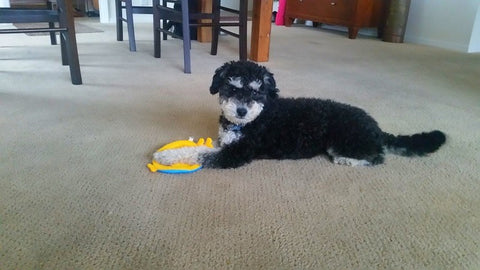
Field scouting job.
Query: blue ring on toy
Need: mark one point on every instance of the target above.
(176, 171)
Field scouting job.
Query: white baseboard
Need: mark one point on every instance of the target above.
(437, 43)
(371, 32)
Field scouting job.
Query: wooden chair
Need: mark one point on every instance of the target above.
(130, 9)
(237, 18)
(63, 15)
(163, 13)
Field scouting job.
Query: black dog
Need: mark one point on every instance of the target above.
(256, 123)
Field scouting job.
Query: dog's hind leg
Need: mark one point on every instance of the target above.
(343, 160)
(350, 161)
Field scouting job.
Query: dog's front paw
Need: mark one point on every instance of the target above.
(186, 155)
(165, 157)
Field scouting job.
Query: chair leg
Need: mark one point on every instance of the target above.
(156, 30)
(215, 26)
(243, 30)
(186, 37)
(53, 35)
(63, 46)
(164, 22)
(71, 51)
(63, 49)
(131, 30)
(118, 20)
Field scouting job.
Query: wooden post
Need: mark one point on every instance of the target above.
(204, 34)
(261, 27)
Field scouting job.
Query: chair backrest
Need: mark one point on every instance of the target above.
(14, 15)
(188, 19)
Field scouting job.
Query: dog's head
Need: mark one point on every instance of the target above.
(244, 89)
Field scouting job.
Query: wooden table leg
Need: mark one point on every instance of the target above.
(204, 34)
(261, 27)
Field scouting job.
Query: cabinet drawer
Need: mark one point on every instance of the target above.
(329, 9)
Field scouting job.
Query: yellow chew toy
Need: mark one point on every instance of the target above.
(179, 167)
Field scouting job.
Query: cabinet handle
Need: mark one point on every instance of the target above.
(333, 4)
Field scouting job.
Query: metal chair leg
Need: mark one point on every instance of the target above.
(243, 16)
(156, 30)
(131, 29)
(119, 21)
(53, 35)
(215, 26)
(186, 37)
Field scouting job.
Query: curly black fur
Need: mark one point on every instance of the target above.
(294, 128)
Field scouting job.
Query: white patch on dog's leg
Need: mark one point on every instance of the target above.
(226, 136)
(347, 161)
(396, 151)
(350, 161)
(187, 155)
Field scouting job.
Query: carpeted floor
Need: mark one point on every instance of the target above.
(75, 192)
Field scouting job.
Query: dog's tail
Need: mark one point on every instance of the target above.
(419, 144)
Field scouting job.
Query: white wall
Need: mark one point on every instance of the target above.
(475, 39)
(4, 3)
(443, 23)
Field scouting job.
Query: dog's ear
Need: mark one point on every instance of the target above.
(270, 84)
(219, 78)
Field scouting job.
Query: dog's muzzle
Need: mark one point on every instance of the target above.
(240, 113)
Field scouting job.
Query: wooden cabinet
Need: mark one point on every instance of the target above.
(353, 14)
(28, 4)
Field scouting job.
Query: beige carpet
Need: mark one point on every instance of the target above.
(75, 192)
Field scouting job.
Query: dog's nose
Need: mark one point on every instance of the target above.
(241, 112)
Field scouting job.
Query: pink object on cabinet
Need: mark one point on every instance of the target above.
(280, 20)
